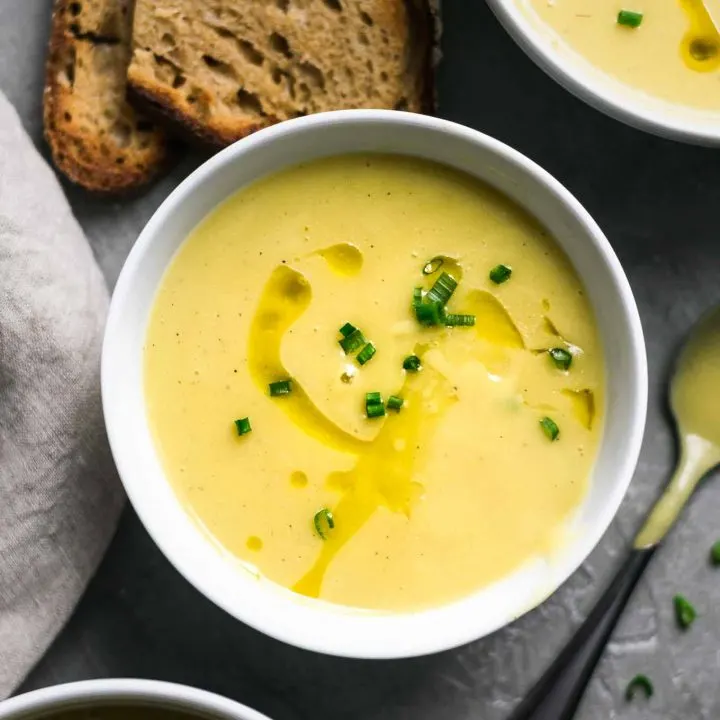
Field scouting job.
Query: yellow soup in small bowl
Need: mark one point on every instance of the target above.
(376, 380)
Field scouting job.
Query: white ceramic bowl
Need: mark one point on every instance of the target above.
(586, 81)
(111, 693)
(278, 612)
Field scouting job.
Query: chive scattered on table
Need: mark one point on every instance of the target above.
(394, 402)
(685, 613)
(550, 428)
(639, 682)
(715, 553)
(412, 363)
(282, 387)
(629, 18)
(366, 353)
(243, 426)
(323, 516)
(561, 357)
(500, 273)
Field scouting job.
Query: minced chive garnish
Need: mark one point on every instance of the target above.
(500, 273)
(373, 397)
(352, 342)
(394, 402)
(561, 357)
(715, 553)
(550, 428)
(375, 410)
(442, 289)
(639, 682)
(453, 320)
(629, 18)
(417, 297)
(685, 613)
(282, 387)
(366, 353)
(323, 516)
(243, 426)
(429, 313)
(347, 329)
(432, 266)
(412, 363)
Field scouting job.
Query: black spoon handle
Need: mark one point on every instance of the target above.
(557, 694)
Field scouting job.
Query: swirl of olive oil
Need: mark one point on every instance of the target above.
(700, 46)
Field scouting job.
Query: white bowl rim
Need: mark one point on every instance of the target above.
(125, 690)
(599, 96)
(361, 646)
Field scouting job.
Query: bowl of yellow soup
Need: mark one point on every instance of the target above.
(375, 383)
(123, 699)
(654, 65)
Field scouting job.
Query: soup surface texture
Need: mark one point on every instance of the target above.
(674, 54)
(430, 502)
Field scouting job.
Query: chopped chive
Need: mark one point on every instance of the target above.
(326, 516)
(417, 297)
(375, 410)
(629, 18)
(561, 357)
(352, 342)
(639, 682)
(442, 289)
(432, 266)
(550, 428)
(243, 426)
(500, 273)
(373, 397)
(347, 329)
(715, 553)
(394, 402)
(412, 363)
(453, 320)
(685, 613)
(429, 313)
(366, 353)
(282, 387)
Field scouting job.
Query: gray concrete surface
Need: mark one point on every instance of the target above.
(658, 202)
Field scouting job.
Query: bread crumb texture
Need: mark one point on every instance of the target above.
(96, 137)
(225, 68)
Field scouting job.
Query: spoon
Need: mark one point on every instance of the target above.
(695, 403)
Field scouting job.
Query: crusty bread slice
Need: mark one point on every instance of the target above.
(225, 68)
(96, 138)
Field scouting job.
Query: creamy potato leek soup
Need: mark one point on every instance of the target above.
(668, 48)
(376, 381)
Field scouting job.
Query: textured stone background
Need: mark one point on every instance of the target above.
(658, 203)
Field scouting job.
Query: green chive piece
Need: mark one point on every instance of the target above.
(347, 329)
(715, 553)
(395, 402)
(432, 266)
(352, 342)
(412, 363)
(417, 297)
(282, 387)
(454, 320)
(685, 613)
(243, 426)
(375, 410)
(561, 357)
(373, 397)
(323, 516)
(366, 353)
(429, 313)
(500, 273)
(639, 682)
(629, 18)
(550, 428)
(442, 289)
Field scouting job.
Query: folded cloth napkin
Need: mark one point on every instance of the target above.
(59, 494)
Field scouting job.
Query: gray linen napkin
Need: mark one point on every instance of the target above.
(59, 493)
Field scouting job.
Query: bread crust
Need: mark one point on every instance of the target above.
(101, 144)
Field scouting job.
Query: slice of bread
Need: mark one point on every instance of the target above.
(222, 69)
(96, 138)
